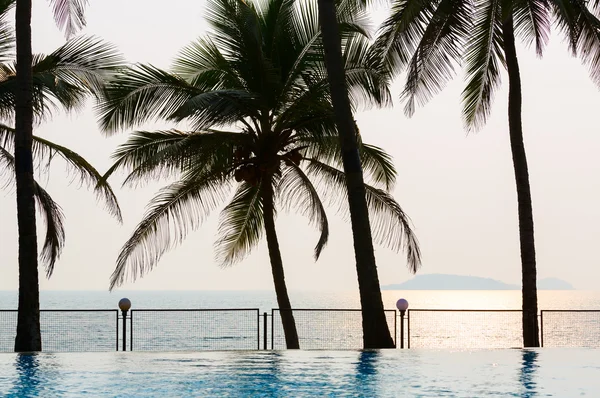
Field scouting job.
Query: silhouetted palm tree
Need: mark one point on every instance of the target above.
(376, 333)
(431, 38)
(69, 16)
(255, 95)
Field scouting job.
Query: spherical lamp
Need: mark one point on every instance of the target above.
(402, 305)
(124, 304)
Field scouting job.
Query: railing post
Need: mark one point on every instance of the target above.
(542, 328)
(258, 329)
(272, 326)
(402, 313)
(131, 330)
(408, 327)
(117, 329)
(124, 306)
(395, 330)
(265, 331)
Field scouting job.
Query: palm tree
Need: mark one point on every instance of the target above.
(376, 333)
(69, 15)
(28, 319)
(255, 97)
(431, 38)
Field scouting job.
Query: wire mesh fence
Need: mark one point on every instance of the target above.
(326, 329)
(570, 328)
(333, 329)
(195, 329)
(78, 330)
(8, 328)
(66, 330)
(465, 329)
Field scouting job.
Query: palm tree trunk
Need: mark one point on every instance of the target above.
(283, 299)
(28, 322)
(528, 266)
(376, 333)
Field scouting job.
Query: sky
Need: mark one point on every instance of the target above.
(458, 188)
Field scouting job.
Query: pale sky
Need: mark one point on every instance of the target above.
(458, 189)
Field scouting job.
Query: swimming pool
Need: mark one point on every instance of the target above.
(389, 373)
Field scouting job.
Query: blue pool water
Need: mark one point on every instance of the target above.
(393, 373)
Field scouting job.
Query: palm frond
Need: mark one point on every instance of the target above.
(240, 225)
(376, 163)
(391, 227)
(582, 29)
(141, 94)
(85, 61)
(589, 43)
(483, 58)
(64, 78)
(236, 30)
(49, 94)
(51, 213)
(7, 168)
(218, 108)
(304, 47)
(145, 148)
(7, 37)
(152, 155)
(288, 39)
(6, 6)
(399, 34)
(306, 105)
(222, 95)
(594, 7)
(45, 151)
(69, 15)
(305, 95)
(176, 210)
(204, 66)
(295, 190)
(366, 84)
(532, 22)
(439, 50)
(55, 230)
(83, 169)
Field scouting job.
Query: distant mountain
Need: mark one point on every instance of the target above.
(462, 282)
(554, 284)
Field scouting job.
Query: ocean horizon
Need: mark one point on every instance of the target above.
(265, 300)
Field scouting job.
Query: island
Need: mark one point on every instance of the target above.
(464, 282)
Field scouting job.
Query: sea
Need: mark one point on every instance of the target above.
(168, 320)
(266, 300)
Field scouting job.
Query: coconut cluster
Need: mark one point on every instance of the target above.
(247, 172)
(252, 167)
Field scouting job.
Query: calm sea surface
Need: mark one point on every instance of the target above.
(265, 300)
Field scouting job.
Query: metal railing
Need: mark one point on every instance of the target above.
(8, 326)
(325, 329)
(464, 328)
(570, 328)
(66, 330)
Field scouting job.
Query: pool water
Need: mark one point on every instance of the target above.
(387, 373)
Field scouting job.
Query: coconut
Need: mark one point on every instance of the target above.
(238, 175)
